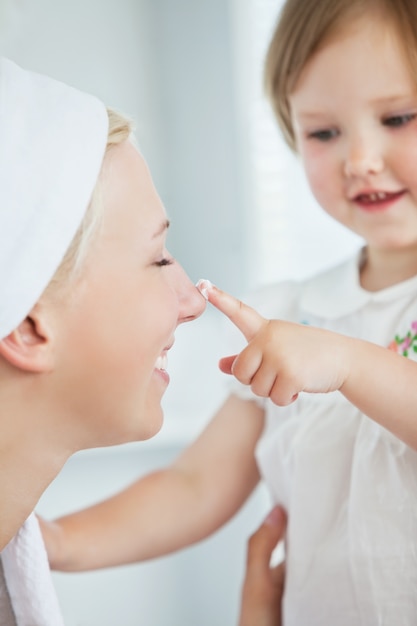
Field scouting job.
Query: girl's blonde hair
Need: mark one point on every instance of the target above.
(120, 129)
(303, 28)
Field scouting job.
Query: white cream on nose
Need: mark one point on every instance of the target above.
(204, 285)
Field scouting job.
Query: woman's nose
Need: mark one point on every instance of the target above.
(363, 158)
(191, 302)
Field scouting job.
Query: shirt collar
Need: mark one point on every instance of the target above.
(337, 292)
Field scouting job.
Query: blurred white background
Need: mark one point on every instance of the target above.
(190, 73)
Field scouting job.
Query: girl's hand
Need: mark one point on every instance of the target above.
(282, 359)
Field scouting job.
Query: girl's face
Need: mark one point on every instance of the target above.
(354, 112)
(115, 334)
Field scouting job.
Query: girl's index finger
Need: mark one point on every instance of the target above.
(247, 320)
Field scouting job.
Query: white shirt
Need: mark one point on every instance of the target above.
(348, 485)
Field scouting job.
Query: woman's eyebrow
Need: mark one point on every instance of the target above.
(163, 227)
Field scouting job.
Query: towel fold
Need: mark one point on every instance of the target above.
(28, 578)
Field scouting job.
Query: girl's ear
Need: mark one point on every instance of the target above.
(29, 346)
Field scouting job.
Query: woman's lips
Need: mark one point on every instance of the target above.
(377, 200)
(161, 368)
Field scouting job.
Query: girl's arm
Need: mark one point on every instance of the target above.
(383, 385)
(283, 359)
(168, 509)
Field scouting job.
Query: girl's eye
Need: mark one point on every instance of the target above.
(163, 262)
(395, 121)
(324, 135)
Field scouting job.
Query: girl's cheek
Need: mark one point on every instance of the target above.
(309, 152)
(312, 160)
(319, 176)
(310, 148)
(405, 155)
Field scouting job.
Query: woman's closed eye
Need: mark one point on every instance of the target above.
(396, 121)
(164, 262)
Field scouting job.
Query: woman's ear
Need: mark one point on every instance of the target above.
(29, 346)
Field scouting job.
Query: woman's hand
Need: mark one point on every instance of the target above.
(264, 585)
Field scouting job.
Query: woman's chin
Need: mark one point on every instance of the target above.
(152, 420)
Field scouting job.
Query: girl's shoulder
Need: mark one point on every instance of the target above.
(285, 299)
(276, 300)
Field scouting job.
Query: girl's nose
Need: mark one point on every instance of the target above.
(191, 303)
(363, 159)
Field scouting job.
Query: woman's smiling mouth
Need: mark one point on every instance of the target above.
(161, 362)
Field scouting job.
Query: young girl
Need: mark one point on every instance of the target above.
(341, 76)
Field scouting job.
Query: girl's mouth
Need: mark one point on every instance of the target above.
(378, 199)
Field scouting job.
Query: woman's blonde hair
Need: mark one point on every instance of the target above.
(120, 129)
(304, 26)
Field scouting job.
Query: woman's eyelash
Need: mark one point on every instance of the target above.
(399, 120)
(163, 262)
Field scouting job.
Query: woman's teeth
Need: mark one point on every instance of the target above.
(161, 362)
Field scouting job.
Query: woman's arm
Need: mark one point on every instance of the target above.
(263, 586)
(168, 509)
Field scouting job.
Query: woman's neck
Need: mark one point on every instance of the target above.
(29, 460)
(381, 269)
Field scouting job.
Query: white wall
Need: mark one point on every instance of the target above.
(170, 65)
(99, 46)
(192, 48)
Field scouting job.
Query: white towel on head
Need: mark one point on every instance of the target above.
(28, 578)
(52, 142)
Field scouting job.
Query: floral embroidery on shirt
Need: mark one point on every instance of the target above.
(403, 345)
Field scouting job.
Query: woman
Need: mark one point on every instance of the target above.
(90, 297)
(90, 300)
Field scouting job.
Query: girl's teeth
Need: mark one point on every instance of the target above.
(161, 362)
(374, 197)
